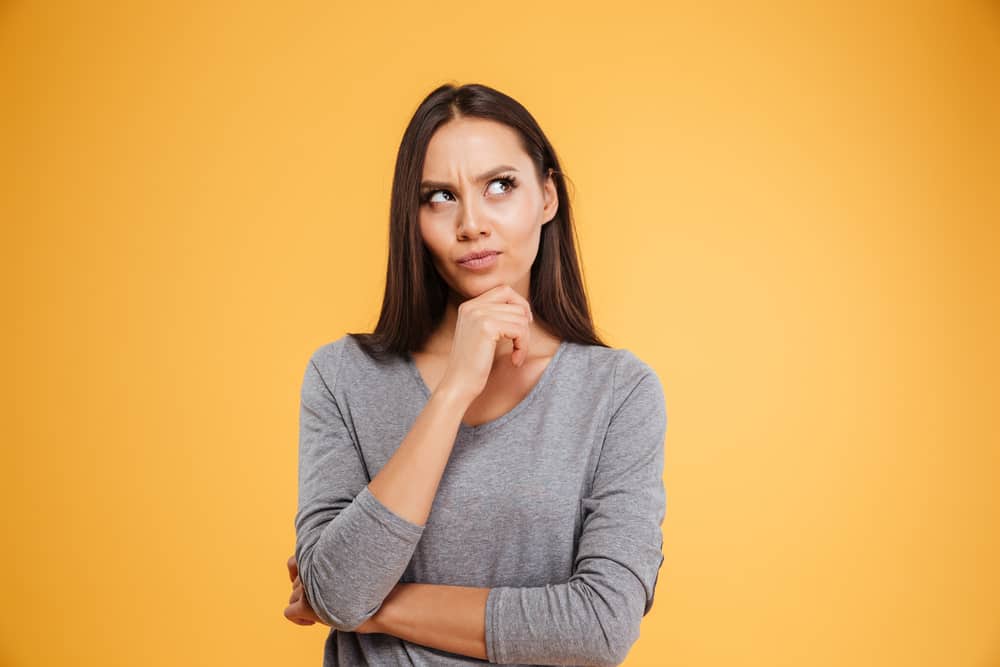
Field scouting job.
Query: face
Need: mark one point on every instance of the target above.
(480, 191)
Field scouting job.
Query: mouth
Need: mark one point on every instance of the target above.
(479, 260)
(477, 255)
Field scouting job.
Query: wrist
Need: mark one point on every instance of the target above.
(382, 620)
(452, 396)
(375, 624)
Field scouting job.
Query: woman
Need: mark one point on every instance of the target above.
(480, 478)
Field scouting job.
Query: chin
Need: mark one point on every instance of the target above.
(471, 291)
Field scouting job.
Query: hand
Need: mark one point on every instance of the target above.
(482, 321)
(300, 612)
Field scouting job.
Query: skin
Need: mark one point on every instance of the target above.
(480, 351)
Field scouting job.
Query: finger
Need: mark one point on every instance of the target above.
(307, 608)
(508, 319)
(515, 327)
(293, 568)
(520, 352)
(519, 334)
(513, 296)
(291, 615)
(297, 614)
(502, 296)
(510, 312)
(508, 308)
(505, 294)
(303, 611)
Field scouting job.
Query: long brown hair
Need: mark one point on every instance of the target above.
(415, 294)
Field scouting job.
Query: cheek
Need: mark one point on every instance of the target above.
(522, 224)
(431, 236)
(438, 245)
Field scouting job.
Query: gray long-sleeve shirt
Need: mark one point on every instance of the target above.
(555, 505)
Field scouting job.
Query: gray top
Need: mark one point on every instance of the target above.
(556, 506)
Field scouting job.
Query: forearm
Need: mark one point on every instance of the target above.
(408, 482)
(351, 547)
(449, 618)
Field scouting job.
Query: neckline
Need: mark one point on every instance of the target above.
(510, 414)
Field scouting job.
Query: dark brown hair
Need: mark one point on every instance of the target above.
(415, 294)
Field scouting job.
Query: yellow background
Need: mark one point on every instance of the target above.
(789, 211)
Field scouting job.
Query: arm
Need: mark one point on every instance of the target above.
(594, 618)
(352, 545)
(449, 618)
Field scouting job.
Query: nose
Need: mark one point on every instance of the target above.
(471, 221)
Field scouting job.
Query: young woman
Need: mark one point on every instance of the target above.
(480, 477)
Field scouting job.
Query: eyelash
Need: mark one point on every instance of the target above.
(510, 180)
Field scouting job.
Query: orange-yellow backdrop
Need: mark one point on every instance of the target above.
(790, 212)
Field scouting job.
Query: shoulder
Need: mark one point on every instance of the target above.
(616, 372)
(343, 362)
(632, 369)
(638, 407)
(620, 366)
(635, 382)
(330, 351)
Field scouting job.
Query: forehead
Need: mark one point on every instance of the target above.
(472, 145)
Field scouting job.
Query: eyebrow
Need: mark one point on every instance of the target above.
(434, 185)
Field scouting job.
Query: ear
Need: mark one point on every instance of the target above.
(551, 198)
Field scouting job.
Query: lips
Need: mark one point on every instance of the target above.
(477, 255)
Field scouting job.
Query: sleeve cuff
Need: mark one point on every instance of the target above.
(492, 611)
(399, 526)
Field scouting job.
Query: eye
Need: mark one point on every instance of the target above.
(509, 181)
(431, 193)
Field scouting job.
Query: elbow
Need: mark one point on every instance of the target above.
(613, 657)
(349, 620)
(618, 643)
(619, 628)
(606, 660)
(328, 602)
(619, 647)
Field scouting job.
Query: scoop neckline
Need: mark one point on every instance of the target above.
(510, 414)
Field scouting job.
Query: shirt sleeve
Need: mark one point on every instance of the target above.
(594, 618)
(350, 548)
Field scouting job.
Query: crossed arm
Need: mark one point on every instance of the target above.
(593, 618)
(449, 618)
